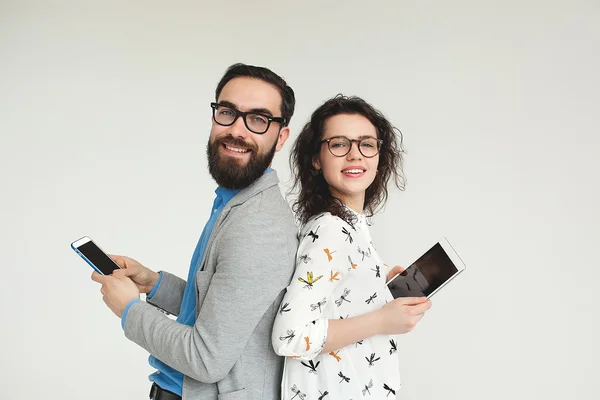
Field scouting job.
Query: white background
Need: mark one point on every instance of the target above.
(104, 119)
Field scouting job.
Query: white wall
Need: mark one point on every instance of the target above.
(104, 119)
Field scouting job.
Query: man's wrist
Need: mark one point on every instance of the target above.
(124, 313)
(156, 278)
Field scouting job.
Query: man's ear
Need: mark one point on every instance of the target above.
(284, 133)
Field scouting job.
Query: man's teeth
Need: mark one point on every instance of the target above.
(353, 171)
(236, 149)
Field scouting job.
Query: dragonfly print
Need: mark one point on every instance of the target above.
(304, 258)
(311, 366)
(318, 305)
(371, 360)
(371, 299)
(365, 253)
(352, 265)
(310, 280)
(314, 234)
(344, 377)
(289, 335)
(389, 389)
(343, 298)
(329, 254)
(297, 392)
(377, 271)
(334, 277)
(335, 355)
(367, 387)
(308, 342)
(284, 308)
(348, 235)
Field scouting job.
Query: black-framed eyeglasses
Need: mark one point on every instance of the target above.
(339, 146)
(256, 122)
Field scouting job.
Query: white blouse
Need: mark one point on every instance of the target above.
(338, 275)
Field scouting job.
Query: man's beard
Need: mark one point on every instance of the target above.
(228, 172)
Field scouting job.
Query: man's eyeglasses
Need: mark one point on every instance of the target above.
(339, 146)
(256, 122)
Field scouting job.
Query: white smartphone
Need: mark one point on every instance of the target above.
(431, 272)
(94, 256)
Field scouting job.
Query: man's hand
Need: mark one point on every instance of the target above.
(117, 291)
(143, 277)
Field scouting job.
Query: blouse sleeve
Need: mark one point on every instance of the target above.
(300, 329)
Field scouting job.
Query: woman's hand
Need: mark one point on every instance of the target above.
(401, 315)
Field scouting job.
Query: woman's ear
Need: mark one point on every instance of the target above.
(316, 163)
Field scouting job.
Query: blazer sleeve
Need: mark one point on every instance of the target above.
(169, 293)
(253, 268)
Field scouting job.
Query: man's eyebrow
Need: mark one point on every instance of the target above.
(227, 104)
(262, 111)
(253, 110)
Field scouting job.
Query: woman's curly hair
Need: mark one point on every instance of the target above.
(314, 196)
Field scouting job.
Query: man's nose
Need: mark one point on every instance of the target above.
(238, 129)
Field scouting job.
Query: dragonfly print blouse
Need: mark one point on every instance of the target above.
(338, 275)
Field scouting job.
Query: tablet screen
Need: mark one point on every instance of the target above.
(424, 276)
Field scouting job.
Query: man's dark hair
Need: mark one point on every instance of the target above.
(288, 100)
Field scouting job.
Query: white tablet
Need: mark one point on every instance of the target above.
(432, 271)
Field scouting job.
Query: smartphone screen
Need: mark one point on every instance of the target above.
(94, 256)
(426, 275)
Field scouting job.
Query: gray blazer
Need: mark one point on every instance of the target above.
(248, 263)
